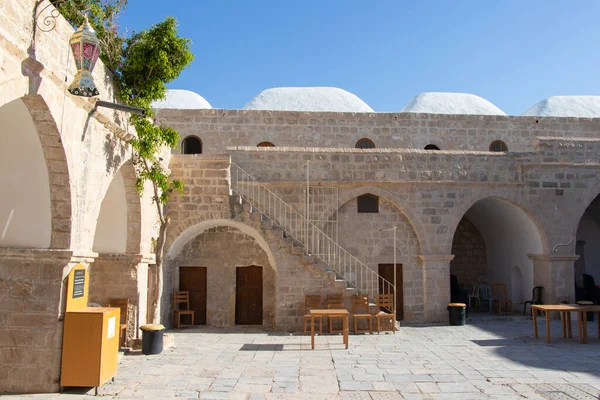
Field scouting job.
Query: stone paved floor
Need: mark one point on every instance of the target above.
(486, 359)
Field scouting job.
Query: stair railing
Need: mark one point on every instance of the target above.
(315, 241)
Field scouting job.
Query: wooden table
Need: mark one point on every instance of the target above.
(565, 311)
(329, 313)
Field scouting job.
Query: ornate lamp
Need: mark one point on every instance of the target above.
(86, 49)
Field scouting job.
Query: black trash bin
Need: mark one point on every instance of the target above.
(152, 338)
(457, 313)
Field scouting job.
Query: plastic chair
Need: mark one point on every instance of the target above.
(537, 297)
(312, 302)
(182, 298)
(475, 295)
(485, 294)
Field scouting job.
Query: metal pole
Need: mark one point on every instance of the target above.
(307, 201)
(395, 311)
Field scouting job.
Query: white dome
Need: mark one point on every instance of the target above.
(567, 106)
(451, 103)
(308, 99)
(182, 100)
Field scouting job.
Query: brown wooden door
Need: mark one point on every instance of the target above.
(193, 279)
(248, 296)
(387, 272)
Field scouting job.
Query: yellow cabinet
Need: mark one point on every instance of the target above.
(90, 346)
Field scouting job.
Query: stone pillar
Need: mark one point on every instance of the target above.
(122, 276)
(556, 274)
(32, 303)
(436, 284)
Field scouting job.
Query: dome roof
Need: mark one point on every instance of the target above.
(308, 99)
(451, 103)
(566, 106)
(182, 100)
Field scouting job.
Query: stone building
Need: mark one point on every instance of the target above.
(473, 192)
(494, 198)
(68, 197)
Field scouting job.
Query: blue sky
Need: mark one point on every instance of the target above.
(513, 53)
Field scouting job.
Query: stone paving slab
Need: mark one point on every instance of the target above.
(483, 360)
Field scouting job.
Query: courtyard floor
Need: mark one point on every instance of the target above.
(484, 359)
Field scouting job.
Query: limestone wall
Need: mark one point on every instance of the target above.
(223, 128)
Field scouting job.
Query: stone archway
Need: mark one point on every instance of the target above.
(221, 247)
(37, 214)
(587, 247)
(502, 235)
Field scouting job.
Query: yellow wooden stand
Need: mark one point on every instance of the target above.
(91, 337)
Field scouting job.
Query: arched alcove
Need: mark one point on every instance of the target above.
(25, 206)
(508, 235)
(588, 249)
(111, 228)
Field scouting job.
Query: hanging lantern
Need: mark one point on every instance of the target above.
(86, 49)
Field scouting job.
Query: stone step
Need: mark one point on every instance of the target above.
(256, 216)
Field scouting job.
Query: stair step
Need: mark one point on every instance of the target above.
(256, 216)
(246, 207)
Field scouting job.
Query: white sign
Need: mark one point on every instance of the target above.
(112, 325)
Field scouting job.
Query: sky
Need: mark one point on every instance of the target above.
(513, 53)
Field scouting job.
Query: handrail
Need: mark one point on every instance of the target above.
(315, 241)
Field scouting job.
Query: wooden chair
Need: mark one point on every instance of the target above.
(360, 302)
(312, 302)
(502, 304)
(123, 305)
(386, 301)
(182, 298)
(335, 301)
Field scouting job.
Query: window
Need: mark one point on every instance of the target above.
(191, 145)
(365, 143)
(265, 144)
(498, 145)
(431, 147)
(368, 203)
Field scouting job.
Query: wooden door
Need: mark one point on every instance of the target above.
(387, 272)
(193, 279)
(248, 296)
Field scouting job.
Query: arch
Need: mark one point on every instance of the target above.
(431, 147)
(587, 247)
(189, 230)
(365, 143)
(510, 234)
(191, 145)
(389, 197)
(265, 144)
(118, 228)
(498, 146)
(36, 214)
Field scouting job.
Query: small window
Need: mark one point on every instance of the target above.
(365, 143)
(368, 203)
(498, 145)
(431, 147)
(265, 144)
(191, 145)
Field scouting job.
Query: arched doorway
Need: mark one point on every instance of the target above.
(587, 247)
(371, 218)
(229, 272)
(491, 245)
(26, 206)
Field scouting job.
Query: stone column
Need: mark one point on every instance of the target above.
(32, 303)
(122, 276)
(436, 285)
(556, 274)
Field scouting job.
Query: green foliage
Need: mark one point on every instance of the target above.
(141, 64)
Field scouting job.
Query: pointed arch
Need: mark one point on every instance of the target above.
(41, 157)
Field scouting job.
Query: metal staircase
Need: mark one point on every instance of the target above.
(315, 242)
